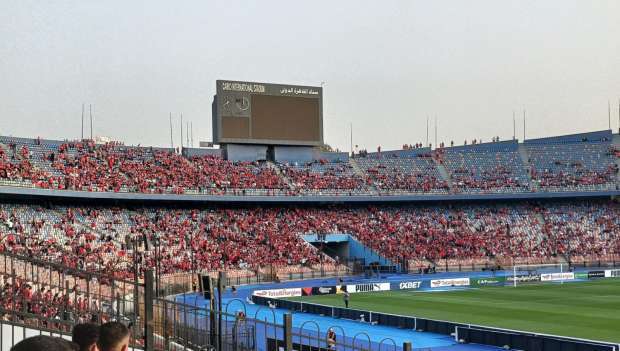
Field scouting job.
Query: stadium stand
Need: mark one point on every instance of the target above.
(253, 239)
(579, 162)
(324, 177)
(582, 162)
(492, 167)
(417, 174)
(119, 242)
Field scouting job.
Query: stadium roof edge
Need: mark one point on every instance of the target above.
(573, 138)
(577, 137)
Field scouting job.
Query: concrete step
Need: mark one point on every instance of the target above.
(360, 172)
(525, 159)
(443, 172)
(616, 143)
(280, 173)
(541, 219)
(356, 168)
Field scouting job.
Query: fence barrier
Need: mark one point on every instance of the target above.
(461, 331)
(41, 297)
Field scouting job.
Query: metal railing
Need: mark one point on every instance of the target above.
(48, 297)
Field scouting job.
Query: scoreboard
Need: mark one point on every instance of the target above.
(263, 113)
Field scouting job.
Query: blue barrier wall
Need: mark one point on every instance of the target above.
(289, 154)
(358, 250)
(353, 249)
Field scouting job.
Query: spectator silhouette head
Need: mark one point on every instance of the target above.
(45, 343)
(86, 336)
(113, 336)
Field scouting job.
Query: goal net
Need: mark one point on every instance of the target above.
(536, 273)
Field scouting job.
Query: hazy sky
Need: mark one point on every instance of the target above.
(386, 65)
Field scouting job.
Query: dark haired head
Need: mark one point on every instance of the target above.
(44, 343)
(113, 336)
(86, 336)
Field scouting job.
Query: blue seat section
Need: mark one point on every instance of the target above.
(418, 174)
(484, 168)
(573, 166)
(324, 177)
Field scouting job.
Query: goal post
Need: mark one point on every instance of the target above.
(531, 273)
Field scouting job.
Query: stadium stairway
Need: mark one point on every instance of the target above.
(278, 171)
(356, 167)
(525, 158)
(443, 172)
(616, 143)
(542, 221)
(360, 172)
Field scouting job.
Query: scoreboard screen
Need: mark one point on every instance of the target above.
(261, 113)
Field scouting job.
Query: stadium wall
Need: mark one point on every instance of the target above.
(466, 333)
(291, 154)
(352, 249)
(238, 152)
(359, 250)
(426, 282)
(10, 192)
(331, 156)
(603, 135)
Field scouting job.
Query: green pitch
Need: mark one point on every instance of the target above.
(588, 310)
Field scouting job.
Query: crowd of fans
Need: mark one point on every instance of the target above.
(51, 303)
(484, 171)
(323, 175)
(418, 174)
(119, 241)
(573, 166)
(180, 240)
(44, 295)
(581, 230)
(87, 166)
(115, 239)
(111, 167)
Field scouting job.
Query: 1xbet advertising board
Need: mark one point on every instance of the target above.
(408, 285)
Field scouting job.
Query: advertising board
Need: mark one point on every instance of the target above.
(548, 277)
(277, 293)
(523, 278)
(489, 281)
(356, 288)
(323, 290)
(442, 283)
(409, 285)
(596, 274)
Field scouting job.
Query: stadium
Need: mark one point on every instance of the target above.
(265, 239)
